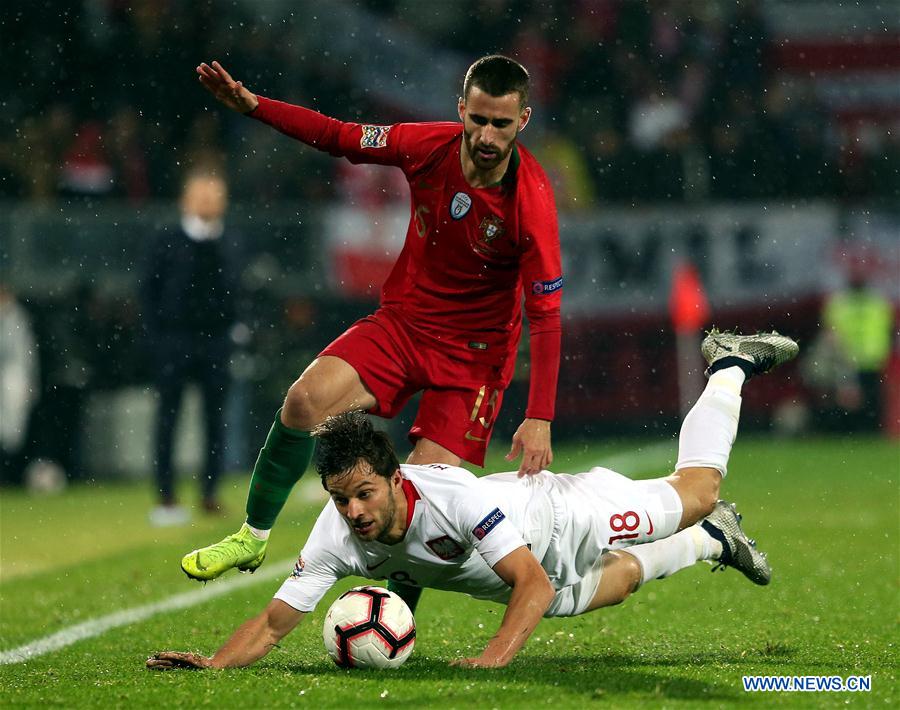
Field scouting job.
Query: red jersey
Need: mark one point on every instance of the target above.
(470, 253)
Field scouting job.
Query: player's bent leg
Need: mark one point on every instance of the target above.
(328, 386)
(719, 538)
(698, 489)
(621, 576)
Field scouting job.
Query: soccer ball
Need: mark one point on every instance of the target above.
(369, 627)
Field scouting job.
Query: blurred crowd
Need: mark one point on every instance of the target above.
(638, 101)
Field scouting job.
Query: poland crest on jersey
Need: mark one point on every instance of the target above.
(445, 547)
(460, 205)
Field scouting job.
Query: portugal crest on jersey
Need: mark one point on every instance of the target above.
(490, 229)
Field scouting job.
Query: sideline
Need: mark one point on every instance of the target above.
(102, 624)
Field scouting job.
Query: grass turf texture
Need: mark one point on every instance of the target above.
(825, 510)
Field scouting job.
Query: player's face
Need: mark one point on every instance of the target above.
(369, 503)
(490, 126)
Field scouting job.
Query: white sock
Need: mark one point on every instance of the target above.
(731, 379)
(257, 533)
(664, 558)
(708, 430)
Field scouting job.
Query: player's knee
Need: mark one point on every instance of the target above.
(627, 573)
(699, 490)
(301, 406)
(708, 492)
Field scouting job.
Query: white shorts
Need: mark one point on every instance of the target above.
(574, 599)
(598, 511)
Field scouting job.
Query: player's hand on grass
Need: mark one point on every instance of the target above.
(230, 92)
(476, 663)
(167, 660)
(532, 440)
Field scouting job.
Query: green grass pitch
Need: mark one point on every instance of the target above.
(826, 510)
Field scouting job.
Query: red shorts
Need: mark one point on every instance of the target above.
(460, 398)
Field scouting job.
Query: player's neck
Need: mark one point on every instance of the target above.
(398, 529)
(481, 178)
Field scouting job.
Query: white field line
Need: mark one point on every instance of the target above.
(628, 463)
(95, 627)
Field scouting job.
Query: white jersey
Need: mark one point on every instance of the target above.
(460, 526)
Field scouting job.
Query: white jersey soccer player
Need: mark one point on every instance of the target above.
(549, 545)
(459, 526)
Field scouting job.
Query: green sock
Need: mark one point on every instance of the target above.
(407, 593)
(281, 463)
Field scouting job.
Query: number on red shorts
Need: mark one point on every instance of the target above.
(629, 520)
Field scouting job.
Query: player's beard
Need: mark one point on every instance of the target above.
(486, 164)
(387, 514)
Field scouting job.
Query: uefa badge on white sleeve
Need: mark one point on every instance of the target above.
(369, 627)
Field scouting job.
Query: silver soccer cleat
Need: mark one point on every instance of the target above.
(763, 351)
(738, 550)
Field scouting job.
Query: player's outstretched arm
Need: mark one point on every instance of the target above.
(251, 641)
(532, 440)
(531, 595)
(226, 90)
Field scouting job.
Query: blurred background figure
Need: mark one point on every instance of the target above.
(858, 322)
(19, 383)
(189, 308)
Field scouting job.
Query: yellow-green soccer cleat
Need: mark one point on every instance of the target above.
(242, 550)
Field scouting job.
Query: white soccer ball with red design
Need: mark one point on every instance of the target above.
(369, 627)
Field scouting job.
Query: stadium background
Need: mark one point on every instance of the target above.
(756, 141)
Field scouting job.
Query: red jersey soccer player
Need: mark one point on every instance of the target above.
(482, 230)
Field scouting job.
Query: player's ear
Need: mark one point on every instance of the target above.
(397, 479)
(461, 108)
(524, 118)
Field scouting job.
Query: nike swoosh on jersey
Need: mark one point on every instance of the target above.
(377, 564)
(471, 437)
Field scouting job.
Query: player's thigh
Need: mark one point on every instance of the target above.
(606, 510)
(427, 451)
(381, 353)
(328, 386)
(458, 420)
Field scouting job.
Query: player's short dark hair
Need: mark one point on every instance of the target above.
(498, 76)
(346, 439)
